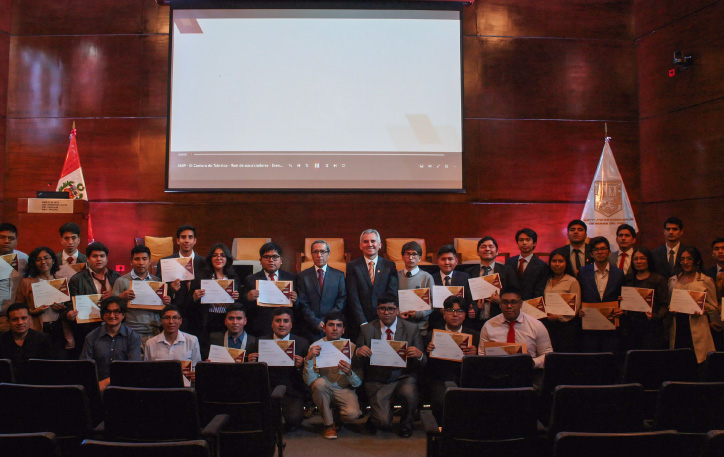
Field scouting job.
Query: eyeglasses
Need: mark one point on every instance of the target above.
(218, 256)
(44, 258)
(410, 254)
(455, 311)
(271, 257)
(320, 251)
(169, 318)
(10, 238)
(386, 309)
(509, 302)
(115, 312)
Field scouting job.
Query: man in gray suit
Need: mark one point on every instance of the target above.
(381, 383)
(320, 289)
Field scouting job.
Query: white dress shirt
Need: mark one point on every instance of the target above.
(528, 331)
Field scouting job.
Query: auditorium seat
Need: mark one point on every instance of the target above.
(338, 258)
(615, 408)
(245, 252)
(160, 247)
(478, 422)
(242, 391)
(713, 367)
(714, 444)
(496, 371)
(61, 410)
(159, 374)
(468, 251)
(41, 444)
(393, 251)
(156, 415)
(651, 368)
(193, 448)
(643, 444)
(7, 374)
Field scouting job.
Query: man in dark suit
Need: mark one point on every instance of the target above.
(235, 336)
(626, 239)
(321, 289)
(600, 283)
(440, 371)
(667, 256)
(716, 273)
(485, 309)
(180, 292)
(532, 271)
(260, 317)
(577, 250)
(447, 261)
(381, 382)
(368, 278)
(70, 240)
(291, 377)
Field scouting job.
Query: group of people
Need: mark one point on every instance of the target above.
(362, 305)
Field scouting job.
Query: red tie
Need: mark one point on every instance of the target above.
(69, 260)
(511, 332)
(272, 277)
(389, 334)
(520, 267)
(320, 277)
(622, 261)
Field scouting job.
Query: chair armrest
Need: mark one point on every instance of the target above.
(450, 385)
(213, 428)
(429, 423)
(278, 392)
(100, 428)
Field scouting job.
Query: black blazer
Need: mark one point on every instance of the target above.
(589, 290)
(446, 370)
(361, 294)
(313, 304)
(459, 278)
(217, 339)
(288, 376)
(259, 318)
(192, 314)
(566, 251)
(507, 278)
(405, 331)
(533, 281)
(661, 261)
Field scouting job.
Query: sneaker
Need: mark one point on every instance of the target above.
(330, 432)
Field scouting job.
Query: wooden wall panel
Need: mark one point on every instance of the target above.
(549, 79)
(650, 15)
(79, 17)
(681, 154)
(5, 16)
(4, 65)
(699, 35)
(580, 19)
(88, 76)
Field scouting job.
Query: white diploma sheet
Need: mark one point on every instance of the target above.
(561, 304)
(330, 354)
(387, 354)
(447, 346)
(271, 295)
(440, 293)
(637, 299)
(178, 268)
(596, 316)
(219, 354)
(413, 300)
(8, 264)
(276, 353)
(534, 308)
(687, 301)
(146, 293)
(49, 292)
(87, 307)
(485, 286)
(215, 293)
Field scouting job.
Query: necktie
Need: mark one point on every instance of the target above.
(521, 265)
(511, 332)
(70, 260)
(100, 280)
(389, 334)
(447, 280)
(320, 278)
(671, 261)
(371, 269)
(273, 277)
(622, 262)
(408, 274)
(486, 271)
(578, 259)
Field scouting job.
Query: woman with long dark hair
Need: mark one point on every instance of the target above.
(219, 265)
(646, 330)
(563, 330)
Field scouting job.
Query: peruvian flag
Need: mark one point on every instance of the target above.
(71, 177)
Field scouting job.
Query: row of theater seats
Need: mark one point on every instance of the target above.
(245, 251)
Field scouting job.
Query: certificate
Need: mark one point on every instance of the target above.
(178, 268)
(598, 316)
(217, 290)
(440, 293)
(274, 293)
(220, 354)
(332, 352)
(149, 295)
(186, 368)
(8, 264)
(450, 345)
(413, 300)
(49, 292)
(637, 299)
(561, 304)
(68, 271)
(277, 353)
(687, 301)
(87, 307)
(485, 286)
(496, 348)
(386, 353)
(535, 308)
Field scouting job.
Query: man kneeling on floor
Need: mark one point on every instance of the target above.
(333, 386)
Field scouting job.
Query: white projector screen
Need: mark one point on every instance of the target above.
(315, 99)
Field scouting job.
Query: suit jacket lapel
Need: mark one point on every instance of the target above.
(362, 265)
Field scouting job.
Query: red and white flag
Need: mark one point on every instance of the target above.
(71, 178)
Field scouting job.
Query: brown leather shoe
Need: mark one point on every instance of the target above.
(330, 432)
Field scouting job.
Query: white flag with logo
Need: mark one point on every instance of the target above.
(607, 204)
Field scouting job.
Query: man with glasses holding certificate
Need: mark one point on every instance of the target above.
(173, 344)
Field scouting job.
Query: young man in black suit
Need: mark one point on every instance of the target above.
(447, 261)
(667, 256)
(532, 271)
(260, 317)
(577, 250)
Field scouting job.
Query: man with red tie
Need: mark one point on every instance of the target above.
(512, 326)
(70, 240)
(626, 239)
